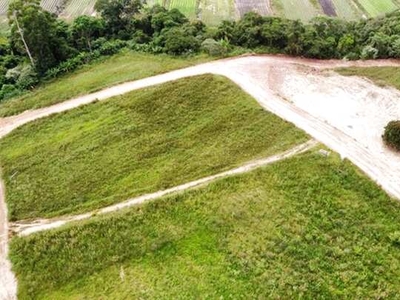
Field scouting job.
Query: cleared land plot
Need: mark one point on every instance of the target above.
(75, 8)
(3, 7)
(122, 67)
(296, 9)
(138, 143)
(347, 10)
(328, 8)
(54, 6)
(263, 7)
(212, 12)
(187, 7)
(307, 227)
(375, 8)
(380, 75)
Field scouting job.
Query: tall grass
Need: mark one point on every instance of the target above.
(141, 142)
(307, 227)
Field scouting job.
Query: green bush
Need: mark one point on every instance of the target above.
(213, 48)
(392, 135)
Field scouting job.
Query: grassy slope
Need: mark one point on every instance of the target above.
(380, 75)
(119, 68)
(309, 226)
(134, 144)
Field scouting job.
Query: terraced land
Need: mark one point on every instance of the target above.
(156, 138)
(306, 227)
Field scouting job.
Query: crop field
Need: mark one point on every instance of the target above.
(75, 8)
(347, 10)
(156, 138)
(307, 227)
(119, 68)
(213, 12)
(263, 7)
(3, 7)
(377, 7)
(187, 7)
(299, 9)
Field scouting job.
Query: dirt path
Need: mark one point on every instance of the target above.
(345, 113)
(24, 229)
(8, 283)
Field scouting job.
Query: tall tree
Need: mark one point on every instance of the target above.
(37, 34)
(118, 15)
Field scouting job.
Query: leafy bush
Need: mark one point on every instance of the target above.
(28, 78)
(8, 91)
(213, 48)
(391, 135)
(178, 42)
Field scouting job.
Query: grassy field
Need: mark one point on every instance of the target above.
(141, 142)
(308, 227)
(380, 75)
(122, 67)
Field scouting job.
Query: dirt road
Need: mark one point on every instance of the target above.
(345, 113)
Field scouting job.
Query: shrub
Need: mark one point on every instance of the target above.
(28, 78)
(391, 135)
(8, 91)
(213, 48)
(178, 42)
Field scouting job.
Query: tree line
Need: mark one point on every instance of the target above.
(42, 46)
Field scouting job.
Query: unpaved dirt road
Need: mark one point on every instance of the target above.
(345, 113)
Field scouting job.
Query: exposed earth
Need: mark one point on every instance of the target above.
(347, 114)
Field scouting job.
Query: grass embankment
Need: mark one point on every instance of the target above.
(307, 227)
(141, 142)
(120, 68)
(382, 76)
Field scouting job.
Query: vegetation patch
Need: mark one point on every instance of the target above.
(122, 67)
(391, 135)
(382, 76)
(141, 142)
(307, 227)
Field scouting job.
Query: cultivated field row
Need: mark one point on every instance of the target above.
(214, 11)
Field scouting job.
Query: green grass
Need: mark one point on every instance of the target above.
(308, 227)
(141, 142)
(383, 76)
(123, 67)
